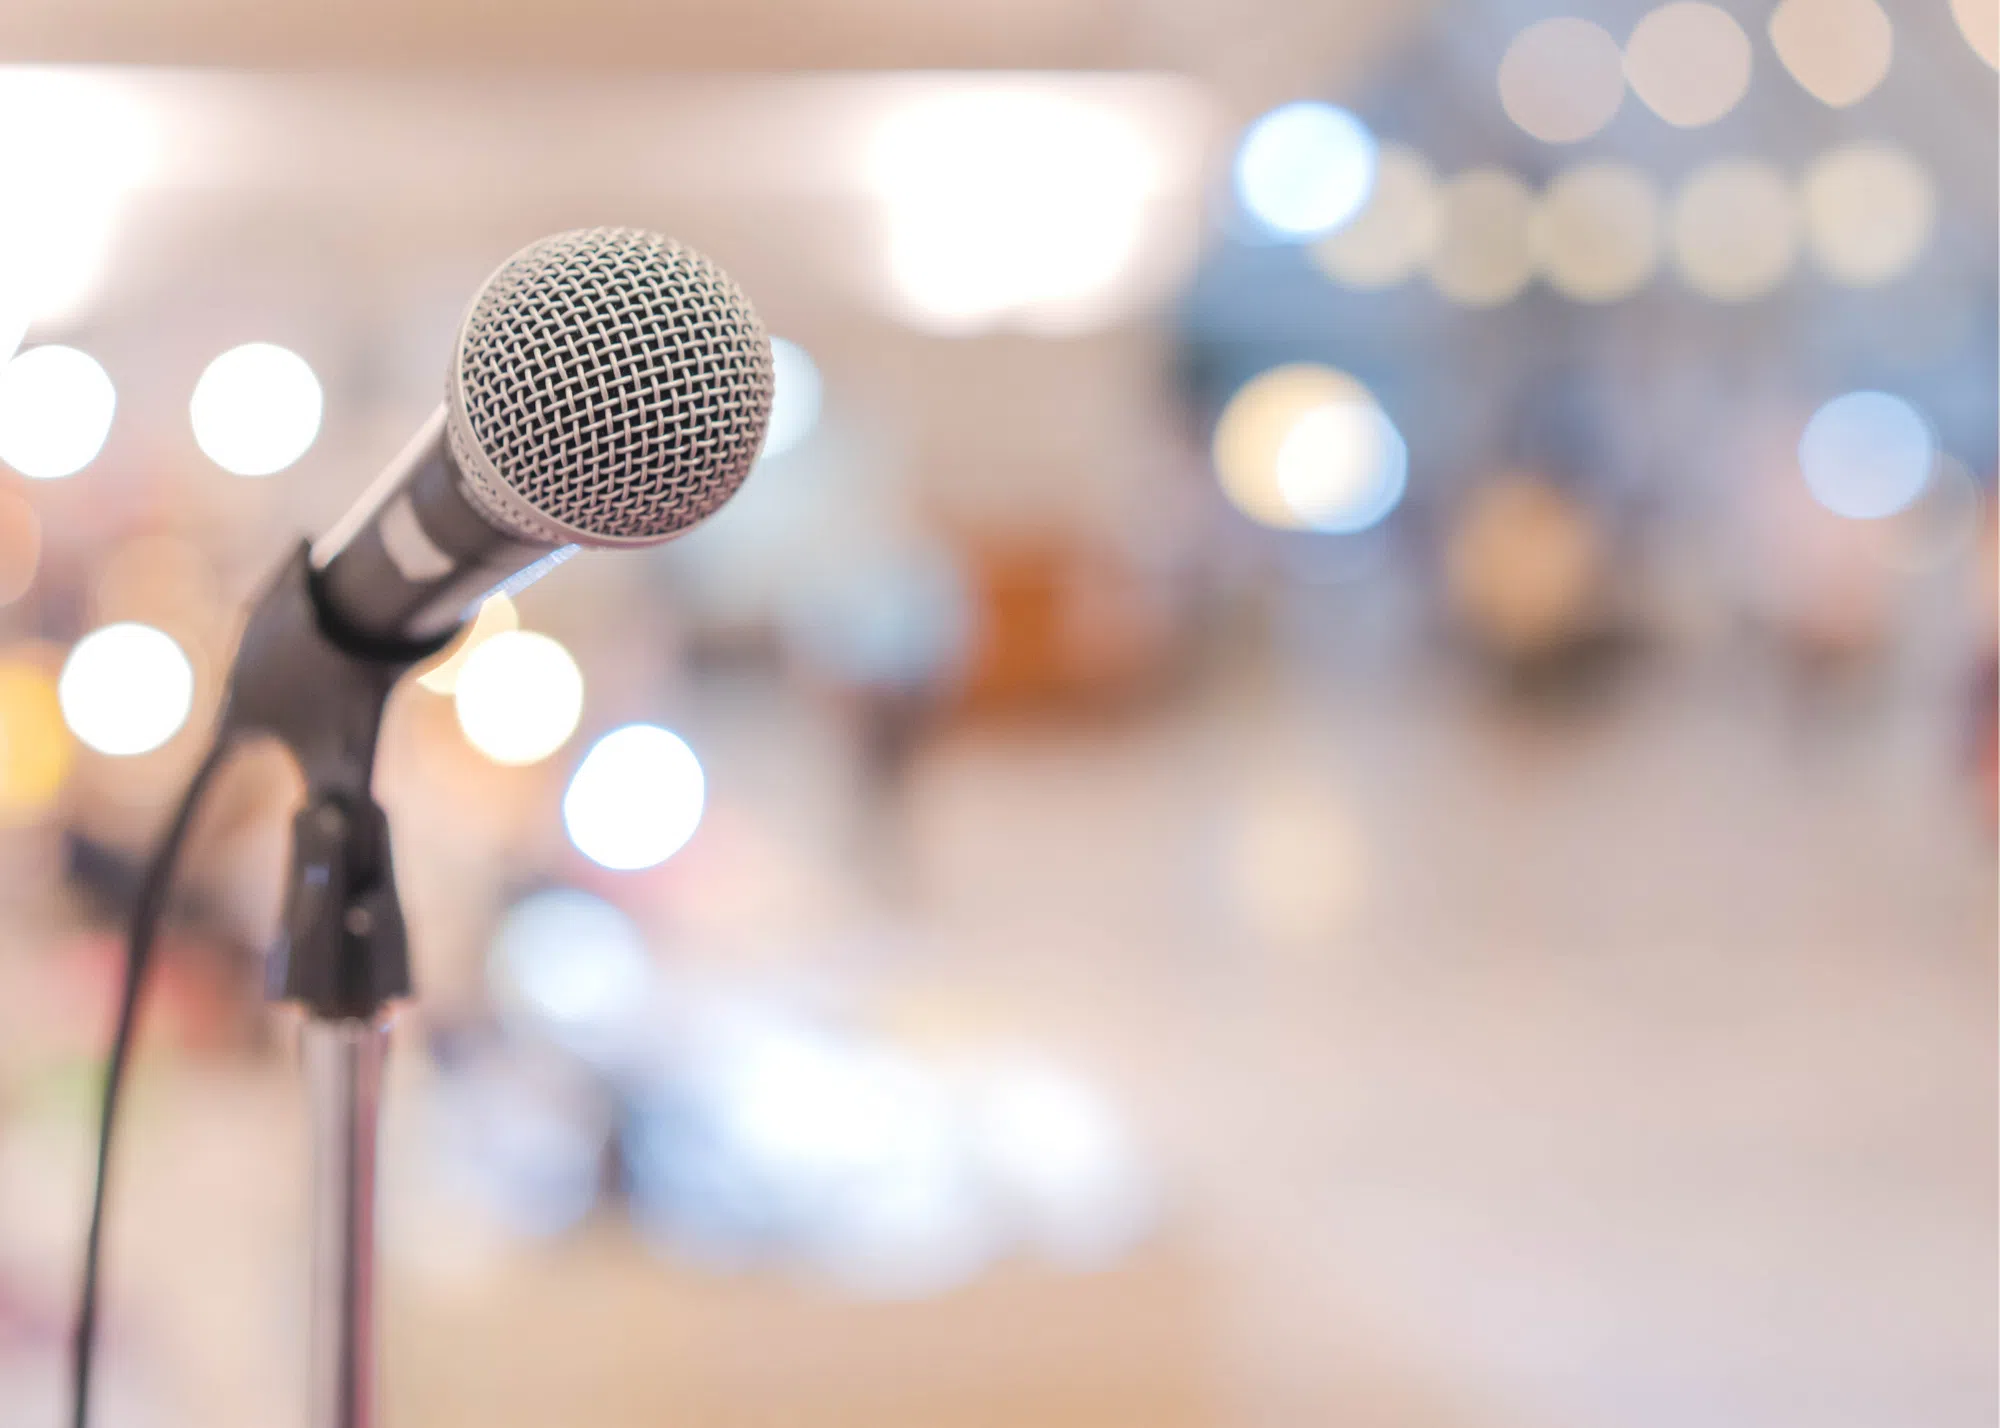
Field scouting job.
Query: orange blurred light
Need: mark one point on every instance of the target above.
(35, 747)
(496, 615)
(1979, 22)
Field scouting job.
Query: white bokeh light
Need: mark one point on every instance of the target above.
(575, 967)
(1596, 231)
(1838, 50)
(1307, 447)
(81, 142)
(1689, 62)
(256, 409)
(1735, 229)
(126, 689)
(1342, 467)
(1870, 211)
(1562, 79)
(55, 411)
(1064, 1163)
(795, 396)
(1394, 234)
(1305, 169)
(519, 697)
(858, 1149)
(635, 799)
(1485, 251)
(1011, 205)
(1867, 455)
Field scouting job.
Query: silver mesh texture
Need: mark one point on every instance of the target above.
(610, 387)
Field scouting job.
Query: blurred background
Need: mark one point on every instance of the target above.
(1340, 767)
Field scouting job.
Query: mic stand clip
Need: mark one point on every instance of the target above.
(343, 951)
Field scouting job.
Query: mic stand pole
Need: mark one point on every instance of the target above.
(342, 954)
(343, 1069)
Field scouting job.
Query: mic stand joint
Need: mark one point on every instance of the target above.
(343, 952)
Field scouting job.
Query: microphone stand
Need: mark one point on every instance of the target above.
(342, 954)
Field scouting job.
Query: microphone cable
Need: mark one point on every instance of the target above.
(148, 910)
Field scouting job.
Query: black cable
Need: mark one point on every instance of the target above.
(147, 911)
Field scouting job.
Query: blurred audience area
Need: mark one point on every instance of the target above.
(1340, 766)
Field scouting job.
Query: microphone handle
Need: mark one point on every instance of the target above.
(414, 556)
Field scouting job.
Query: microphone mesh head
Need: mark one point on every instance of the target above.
(610, 387)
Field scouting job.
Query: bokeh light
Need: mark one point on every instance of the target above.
(1395, 232)
(1306, 447)
(519, 697)
(1867, 455)
(55, 411)
(1485, 254)
(1735, 229)
(126, 689)
(1253, 427)
(635, 799)
(1870, 209)
(1979, 22)
(1010, 206)
(20, 546)
(1596, 232)
(496, 616)
(256, 409)
(850, 1152)
(1561, 80)
(795, 394)
(1305, 169)
(1838, 50)
(1689, 62)
(1523, 565)
(572, 967)
(35, 748)
(82, 142)
(1342, 467)
(1060, 1157)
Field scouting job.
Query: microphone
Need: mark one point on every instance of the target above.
(609, 387)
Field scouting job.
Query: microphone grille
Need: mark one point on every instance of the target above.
(610, 387)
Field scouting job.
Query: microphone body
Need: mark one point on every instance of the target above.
(609, 387)
(415, 555)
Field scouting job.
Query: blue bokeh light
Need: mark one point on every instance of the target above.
(1305, 169)
(1867, 455)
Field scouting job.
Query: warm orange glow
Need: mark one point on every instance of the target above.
(35, 748)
